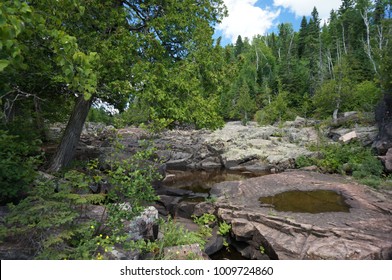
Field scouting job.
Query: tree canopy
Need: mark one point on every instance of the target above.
(157, 62)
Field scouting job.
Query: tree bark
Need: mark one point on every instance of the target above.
(66, 150)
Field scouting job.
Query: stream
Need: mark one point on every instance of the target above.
(190, 187)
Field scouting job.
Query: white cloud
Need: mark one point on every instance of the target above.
(305, 7)
(246, 19)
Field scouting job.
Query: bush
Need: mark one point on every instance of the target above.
(53, 214)
(352, 159)
(304, 161)
(18, 161)
(276, 111)
(99, 115)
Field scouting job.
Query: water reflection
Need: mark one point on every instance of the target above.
(200, 181)
(317, 201)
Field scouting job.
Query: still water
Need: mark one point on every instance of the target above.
(317, 201)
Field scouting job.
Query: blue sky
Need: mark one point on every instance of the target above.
(251, 17)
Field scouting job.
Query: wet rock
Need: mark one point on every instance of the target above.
(211, 162)
(361, 233)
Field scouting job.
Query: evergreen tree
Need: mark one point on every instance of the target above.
(239, 46)
(303, 32)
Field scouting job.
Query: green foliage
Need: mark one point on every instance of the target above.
(172, 235)
(205, 222)
(224, 228)
(13, 16)
(211, 199)
(18, 161)
(365, 97)
(352, 159)
(99, 115)
(204, 219)
(245, 103)
(52, 214)
(304, 161)
(262, 249)
(50, 219)
(276, 111)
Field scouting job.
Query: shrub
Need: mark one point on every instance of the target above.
(352, 159)
(53, 214)
(303, 161)
(18, 161)
(276, 111)
(172, 235)
(99, 115)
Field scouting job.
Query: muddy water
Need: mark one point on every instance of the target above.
(200, 181)
(318, 201)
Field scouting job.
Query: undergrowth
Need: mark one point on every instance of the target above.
(348, 159)
(53, 220)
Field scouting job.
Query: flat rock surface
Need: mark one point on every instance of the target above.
(362, 233)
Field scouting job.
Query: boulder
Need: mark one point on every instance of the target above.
(117, 253)
(144, 226)
(383, 142)
(348, 136)
(214, 243)
(365, 134)
(184, 252)
(204, 207)
(362, 232)
(387, 160)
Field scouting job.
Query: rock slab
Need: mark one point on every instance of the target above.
(362, 233)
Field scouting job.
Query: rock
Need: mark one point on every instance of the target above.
(185, 209)
(346, 118)
(383, 142)
(184, 252)
(361, 233)
(117, 253)
(348, 136)
(13, 250)
(242, 229)
(211, 162)
(202, 208)
(169, 204)
(249, 252)
(214, 243)
(387, 160)
(365, 134)
(187, 224)
(313, 168)
(143, 226)
(96, 212)
(349, 114)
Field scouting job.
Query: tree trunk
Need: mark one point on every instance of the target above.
(66, 150)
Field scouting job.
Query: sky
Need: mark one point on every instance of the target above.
(252, 17)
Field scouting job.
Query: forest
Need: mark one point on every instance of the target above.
(156, 64)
